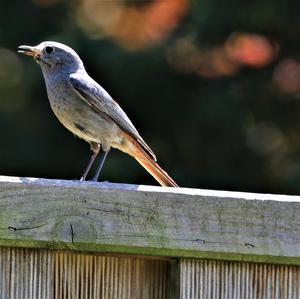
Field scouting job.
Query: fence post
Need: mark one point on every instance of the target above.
(127, 241)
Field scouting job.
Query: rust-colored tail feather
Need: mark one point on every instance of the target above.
(134, 149)
(155, 170)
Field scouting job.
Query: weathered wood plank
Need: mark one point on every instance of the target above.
(201, 279)
(48, 274)
(26, 273)
(105, 217)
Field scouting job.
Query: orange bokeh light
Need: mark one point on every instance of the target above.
(133, 27)
(250, 49)
(239, 49)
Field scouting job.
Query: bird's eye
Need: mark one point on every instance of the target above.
(49, 50)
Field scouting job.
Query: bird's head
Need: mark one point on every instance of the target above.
(53, 56)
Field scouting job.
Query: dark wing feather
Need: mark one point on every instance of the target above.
(97, 97)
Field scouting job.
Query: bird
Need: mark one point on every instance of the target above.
(86, 109)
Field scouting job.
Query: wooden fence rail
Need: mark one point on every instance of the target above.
(71, 239)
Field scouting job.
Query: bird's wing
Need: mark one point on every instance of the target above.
(97, 97)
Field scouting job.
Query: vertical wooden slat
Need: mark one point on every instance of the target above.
(221, 280)
(24, 274)
(44, 274)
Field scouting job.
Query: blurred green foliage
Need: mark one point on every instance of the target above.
(232, 126)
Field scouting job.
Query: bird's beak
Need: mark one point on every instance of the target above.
(28, 50)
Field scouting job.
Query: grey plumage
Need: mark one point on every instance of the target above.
(96, 97)
(86, 109)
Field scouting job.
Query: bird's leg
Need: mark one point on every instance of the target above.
(95, 148)
(101, 163)
(92, 159)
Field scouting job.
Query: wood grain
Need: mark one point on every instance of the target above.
(130, 219)
(47, 274)
(233, 280)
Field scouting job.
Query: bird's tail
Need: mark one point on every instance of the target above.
(135, 149)
(155, 170)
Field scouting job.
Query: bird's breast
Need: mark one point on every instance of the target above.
(80, 118)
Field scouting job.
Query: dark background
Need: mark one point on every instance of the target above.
(212, 86)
